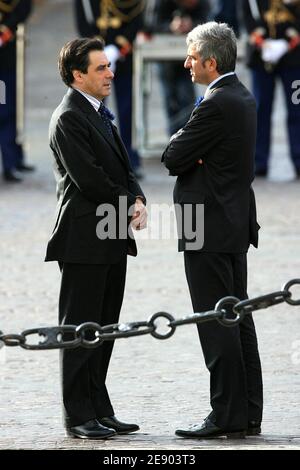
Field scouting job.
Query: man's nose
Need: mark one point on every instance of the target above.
(187, 64)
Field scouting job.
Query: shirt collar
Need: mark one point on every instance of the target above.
(94, 102)
(216, 81)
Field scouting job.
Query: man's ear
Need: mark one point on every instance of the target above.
(212, 64)
(77, 76)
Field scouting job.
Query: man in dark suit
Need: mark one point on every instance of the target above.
(118, 23)
(213, 157)
(92, 170)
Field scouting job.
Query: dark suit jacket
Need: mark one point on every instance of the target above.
(91, 168)
(222, 132)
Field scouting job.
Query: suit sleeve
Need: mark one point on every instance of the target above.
(195, 140)
(134, 187)
(133, 184)
(71, 142)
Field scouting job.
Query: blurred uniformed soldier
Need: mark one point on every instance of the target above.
(274, 51)
(118, 22)
(177, 17)
(227, 12)
(12, 12)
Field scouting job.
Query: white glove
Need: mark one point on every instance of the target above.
(274, 49)
(113, 54)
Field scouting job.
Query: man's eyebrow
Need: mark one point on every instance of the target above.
(103, 66)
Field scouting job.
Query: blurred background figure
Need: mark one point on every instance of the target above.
(118, 22)
(274, 52)
(227, 11)
(177, 17)
(12, 12)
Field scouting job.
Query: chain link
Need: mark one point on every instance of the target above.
(92, 335)
(13, 340)
(286, 288)
(264, 301)
(53, 338)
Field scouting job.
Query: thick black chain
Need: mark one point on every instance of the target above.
(72, 336)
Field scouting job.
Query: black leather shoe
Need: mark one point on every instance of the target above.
(90, 430)
(209, 430)
(25, 168)
(12, 177)
(254, 428)
(120, 428)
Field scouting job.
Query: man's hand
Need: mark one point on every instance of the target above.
(139, 216)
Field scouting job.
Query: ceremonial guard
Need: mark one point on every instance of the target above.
(226, 11)
(274, 51)
(177, 17)
(118, 23)
(12, 13)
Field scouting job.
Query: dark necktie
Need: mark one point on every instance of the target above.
(107, 117)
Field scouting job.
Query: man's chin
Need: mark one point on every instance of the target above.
(103, 95)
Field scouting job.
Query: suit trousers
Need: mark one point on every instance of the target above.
(231, 354)
(89, 293)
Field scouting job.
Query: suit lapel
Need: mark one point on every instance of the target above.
(120, 145)
(229, 80)
(97, 122)
(100, 126)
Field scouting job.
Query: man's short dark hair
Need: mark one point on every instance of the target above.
(75, 56)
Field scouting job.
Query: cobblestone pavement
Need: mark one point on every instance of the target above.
(159, 384)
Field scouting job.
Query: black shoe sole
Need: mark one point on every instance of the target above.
(230, 435)
(81, 436)
(236, 435)
(127, 432)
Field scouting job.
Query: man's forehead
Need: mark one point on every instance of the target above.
(98, 57)
(192, 50)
